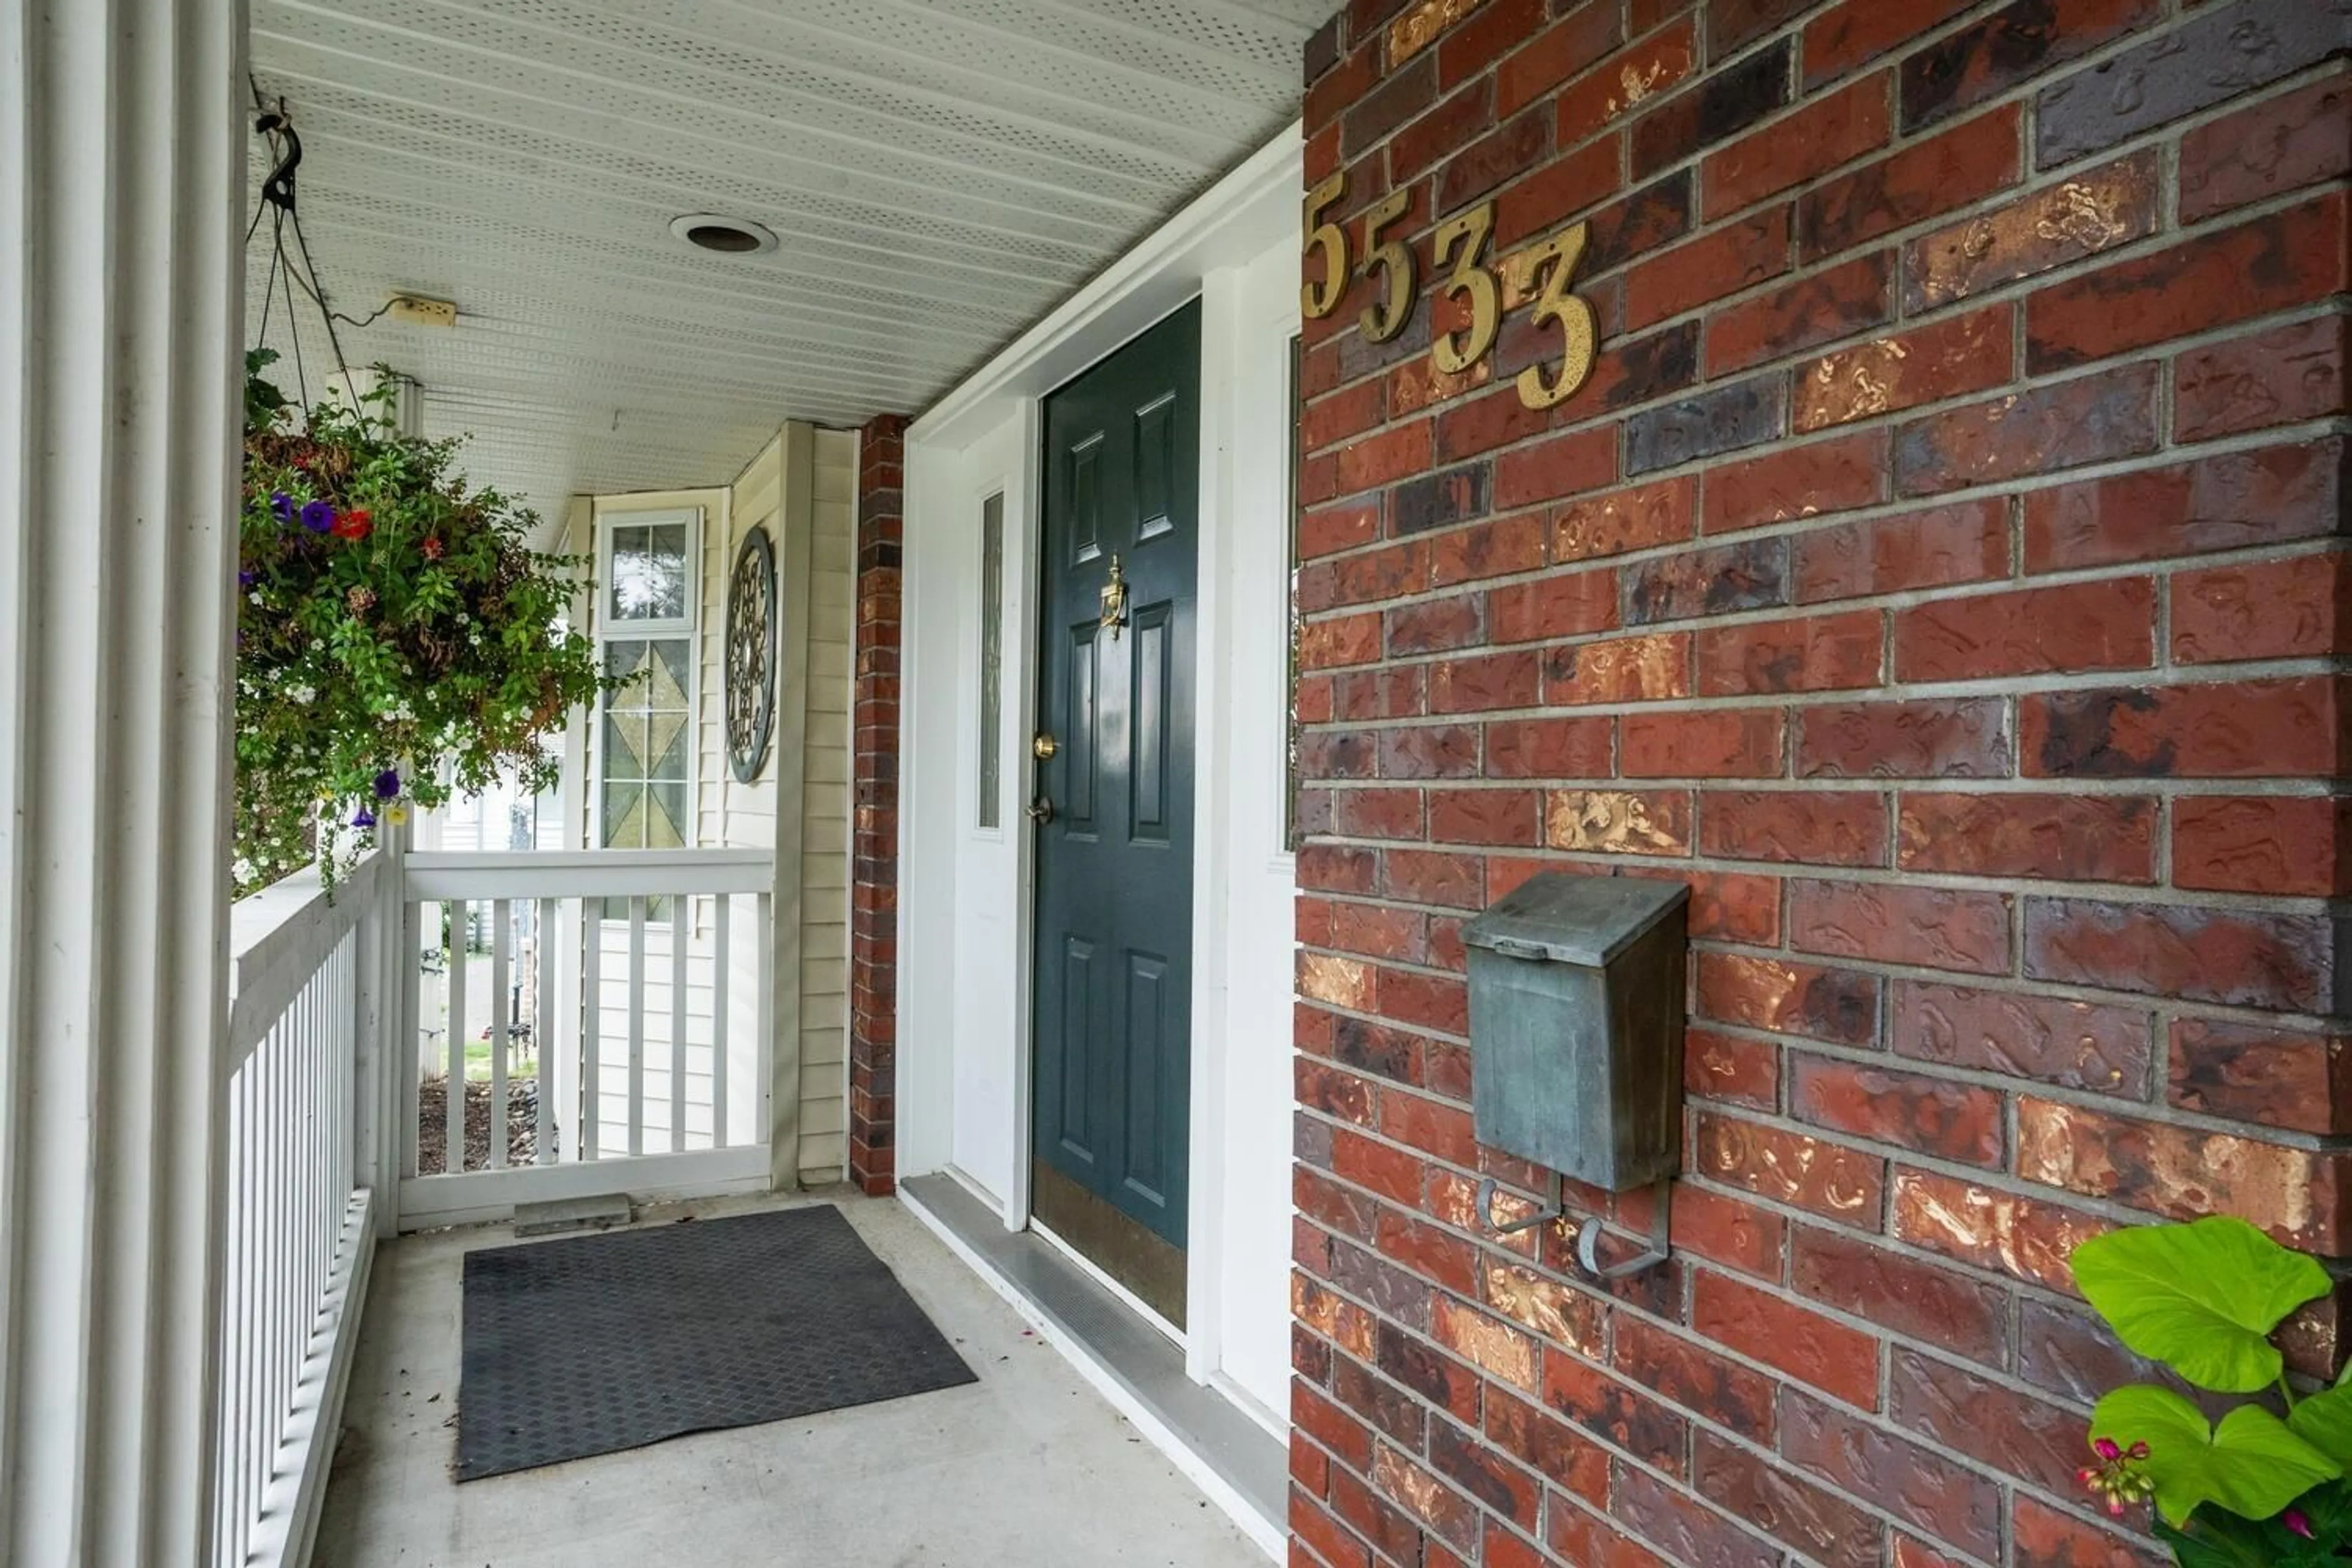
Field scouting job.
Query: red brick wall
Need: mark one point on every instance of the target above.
(1940, 572)
(874, 835)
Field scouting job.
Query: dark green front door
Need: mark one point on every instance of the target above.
(1114, 916)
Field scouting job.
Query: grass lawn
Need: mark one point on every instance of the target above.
(519, 1063)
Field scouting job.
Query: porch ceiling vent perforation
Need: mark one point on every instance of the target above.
(937, 173)
(771, 84)
(435, 144)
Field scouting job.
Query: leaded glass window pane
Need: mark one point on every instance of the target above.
(648, 745)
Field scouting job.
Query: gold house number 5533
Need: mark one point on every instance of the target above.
(1460, 252)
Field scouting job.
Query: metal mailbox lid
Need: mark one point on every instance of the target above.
(1562, 919)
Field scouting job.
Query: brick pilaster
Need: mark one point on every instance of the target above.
(874, 873)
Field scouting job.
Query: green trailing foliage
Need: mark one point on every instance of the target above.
(2252, 1489)
(398, 639)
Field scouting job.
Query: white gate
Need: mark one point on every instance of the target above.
(584, 1025)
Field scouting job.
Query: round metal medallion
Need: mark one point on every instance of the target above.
(750, 655)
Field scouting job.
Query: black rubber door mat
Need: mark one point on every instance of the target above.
(598, 1343)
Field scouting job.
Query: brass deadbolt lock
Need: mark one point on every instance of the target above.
(1043, 747)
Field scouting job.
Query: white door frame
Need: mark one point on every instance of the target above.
(984, 437)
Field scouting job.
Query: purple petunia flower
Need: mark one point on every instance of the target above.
(245, 579)
(318, 516)
(363, 817)
(2296, 1520)
(282, 504)
(387, 785)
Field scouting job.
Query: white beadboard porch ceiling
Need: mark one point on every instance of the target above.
(940, 173)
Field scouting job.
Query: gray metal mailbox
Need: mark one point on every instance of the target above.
(1576, 1026)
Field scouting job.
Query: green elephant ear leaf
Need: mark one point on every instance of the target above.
(2246, 1550)
(2202, 1297)
(2325, 1421)
(2251, 1464)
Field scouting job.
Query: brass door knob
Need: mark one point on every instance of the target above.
(1043, 747)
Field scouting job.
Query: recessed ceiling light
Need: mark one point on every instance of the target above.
(727, 236)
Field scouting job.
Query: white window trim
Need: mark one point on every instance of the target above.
(604, 629)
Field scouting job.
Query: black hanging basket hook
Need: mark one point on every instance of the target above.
(279, 188)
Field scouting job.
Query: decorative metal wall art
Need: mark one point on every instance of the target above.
(750, 655)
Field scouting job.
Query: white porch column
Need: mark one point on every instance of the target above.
(121, 180)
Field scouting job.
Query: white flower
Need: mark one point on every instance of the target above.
(301, 693)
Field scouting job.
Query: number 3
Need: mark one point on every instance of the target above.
(1318, 297)
(1556, 259)
(1464, 240)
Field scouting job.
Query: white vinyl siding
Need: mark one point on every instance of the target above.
(729, 813)
(825, 815)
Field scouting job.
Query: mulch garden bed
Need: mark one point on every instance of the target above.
(433, 1122)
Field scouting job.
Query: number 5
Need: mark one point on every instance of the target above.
(1386, 317)
(1556, 260)
(1464, 240)
(1318, 297)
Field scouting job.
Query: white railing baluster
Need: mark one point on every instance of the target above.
(637, 1024)
(720, 1000)
(273, 1195)
(365, 1127)
(303, 1085)
(678, 910)
(453, 1152)
(592, 1070)
(764, 992)
(235, 1457)
(544, 1032)
(501, 910)
(407, 1040)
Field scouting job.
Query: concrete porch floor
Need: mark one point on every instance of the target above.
(1027, 1466)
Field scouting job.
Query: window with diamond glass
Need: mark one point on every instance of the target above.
(646, 751)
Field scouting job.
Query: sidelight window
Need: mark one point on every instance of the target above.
(991, 659)
(646, 634)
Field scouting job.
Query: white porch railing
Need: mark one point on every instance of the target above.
(634, 985)
(304, 1092)
(626, 989)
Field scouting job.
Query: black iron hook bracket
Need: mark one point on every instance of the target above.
(1655, 1249)
(277, 190)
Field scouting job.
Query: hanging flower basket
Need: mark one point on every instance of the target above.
(398, 638)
